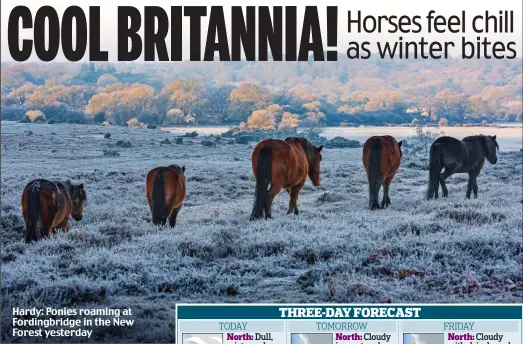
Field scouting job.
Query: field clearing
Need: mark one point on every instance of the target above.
(447, 250)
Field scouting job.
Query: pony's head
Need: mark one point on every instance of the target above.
(491, 147)
(313, 154)
(314, 165)
(78, 199)
(178, 168)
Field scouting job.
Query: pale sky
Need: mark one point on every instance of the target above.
(108, 11)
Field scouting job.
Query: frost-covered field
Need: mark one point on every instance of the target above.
(448, 250)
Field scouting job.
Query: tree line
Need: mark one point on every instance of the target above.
(266, 95)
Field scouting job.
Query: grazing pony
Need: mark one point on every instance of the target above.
(165, 190)
(381, 158)
(465, 156)
(46, 207)
(283, 164)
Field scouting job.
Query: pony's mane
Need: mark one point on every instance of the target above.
(485, 138)
(69, 186)
(307, 146)
(176, 167)
(482, 139)
(66, 184)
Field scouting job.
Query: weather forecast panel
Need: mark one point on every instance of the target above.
(344, 324)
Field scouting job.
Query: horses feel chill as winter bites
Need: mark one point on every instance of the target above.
(46, 207)
(283, 164)
(465, 156)
(165, 189)
(382, 159)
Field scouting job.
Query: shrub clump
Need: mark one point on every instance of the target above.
(193, 134)
(123, 144)
(207, 143)
(13, 113)
(243, 140)
(341, 142)
(110, 152)
(329, 197)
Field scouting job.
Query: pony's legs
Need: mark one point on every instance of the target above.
(47, 224)
(174, 215)
(469, 188)
(386, 199)
(374, 199)
(470, 184)
(442, 178)
(64, 225)
(269, 198)
(473, 184)
(150, 202)
(293, 199)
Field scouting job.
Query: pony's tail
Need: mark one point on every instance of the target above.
(374, 173)
(159, 208)
(263, 179)
(34, 215)
(434, 169)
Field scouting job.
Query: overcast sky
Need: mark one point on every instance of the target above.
(380, 7)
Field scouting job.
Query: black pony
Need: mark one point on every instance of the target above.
(465, 156)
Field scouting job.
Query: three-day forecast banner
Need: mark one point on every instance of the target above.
(344, 324)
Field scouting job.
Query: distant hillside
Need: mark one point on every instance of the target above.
(345, 92)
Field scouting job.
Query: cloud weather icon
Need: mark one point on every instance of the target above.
(202, 338)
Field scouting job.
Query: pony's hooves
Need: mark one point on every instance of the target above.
(255, 217)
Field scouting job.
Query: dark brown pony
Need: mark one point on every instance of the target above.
(283, 164)
(46, 207)
(165, 189)
(382, 159)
